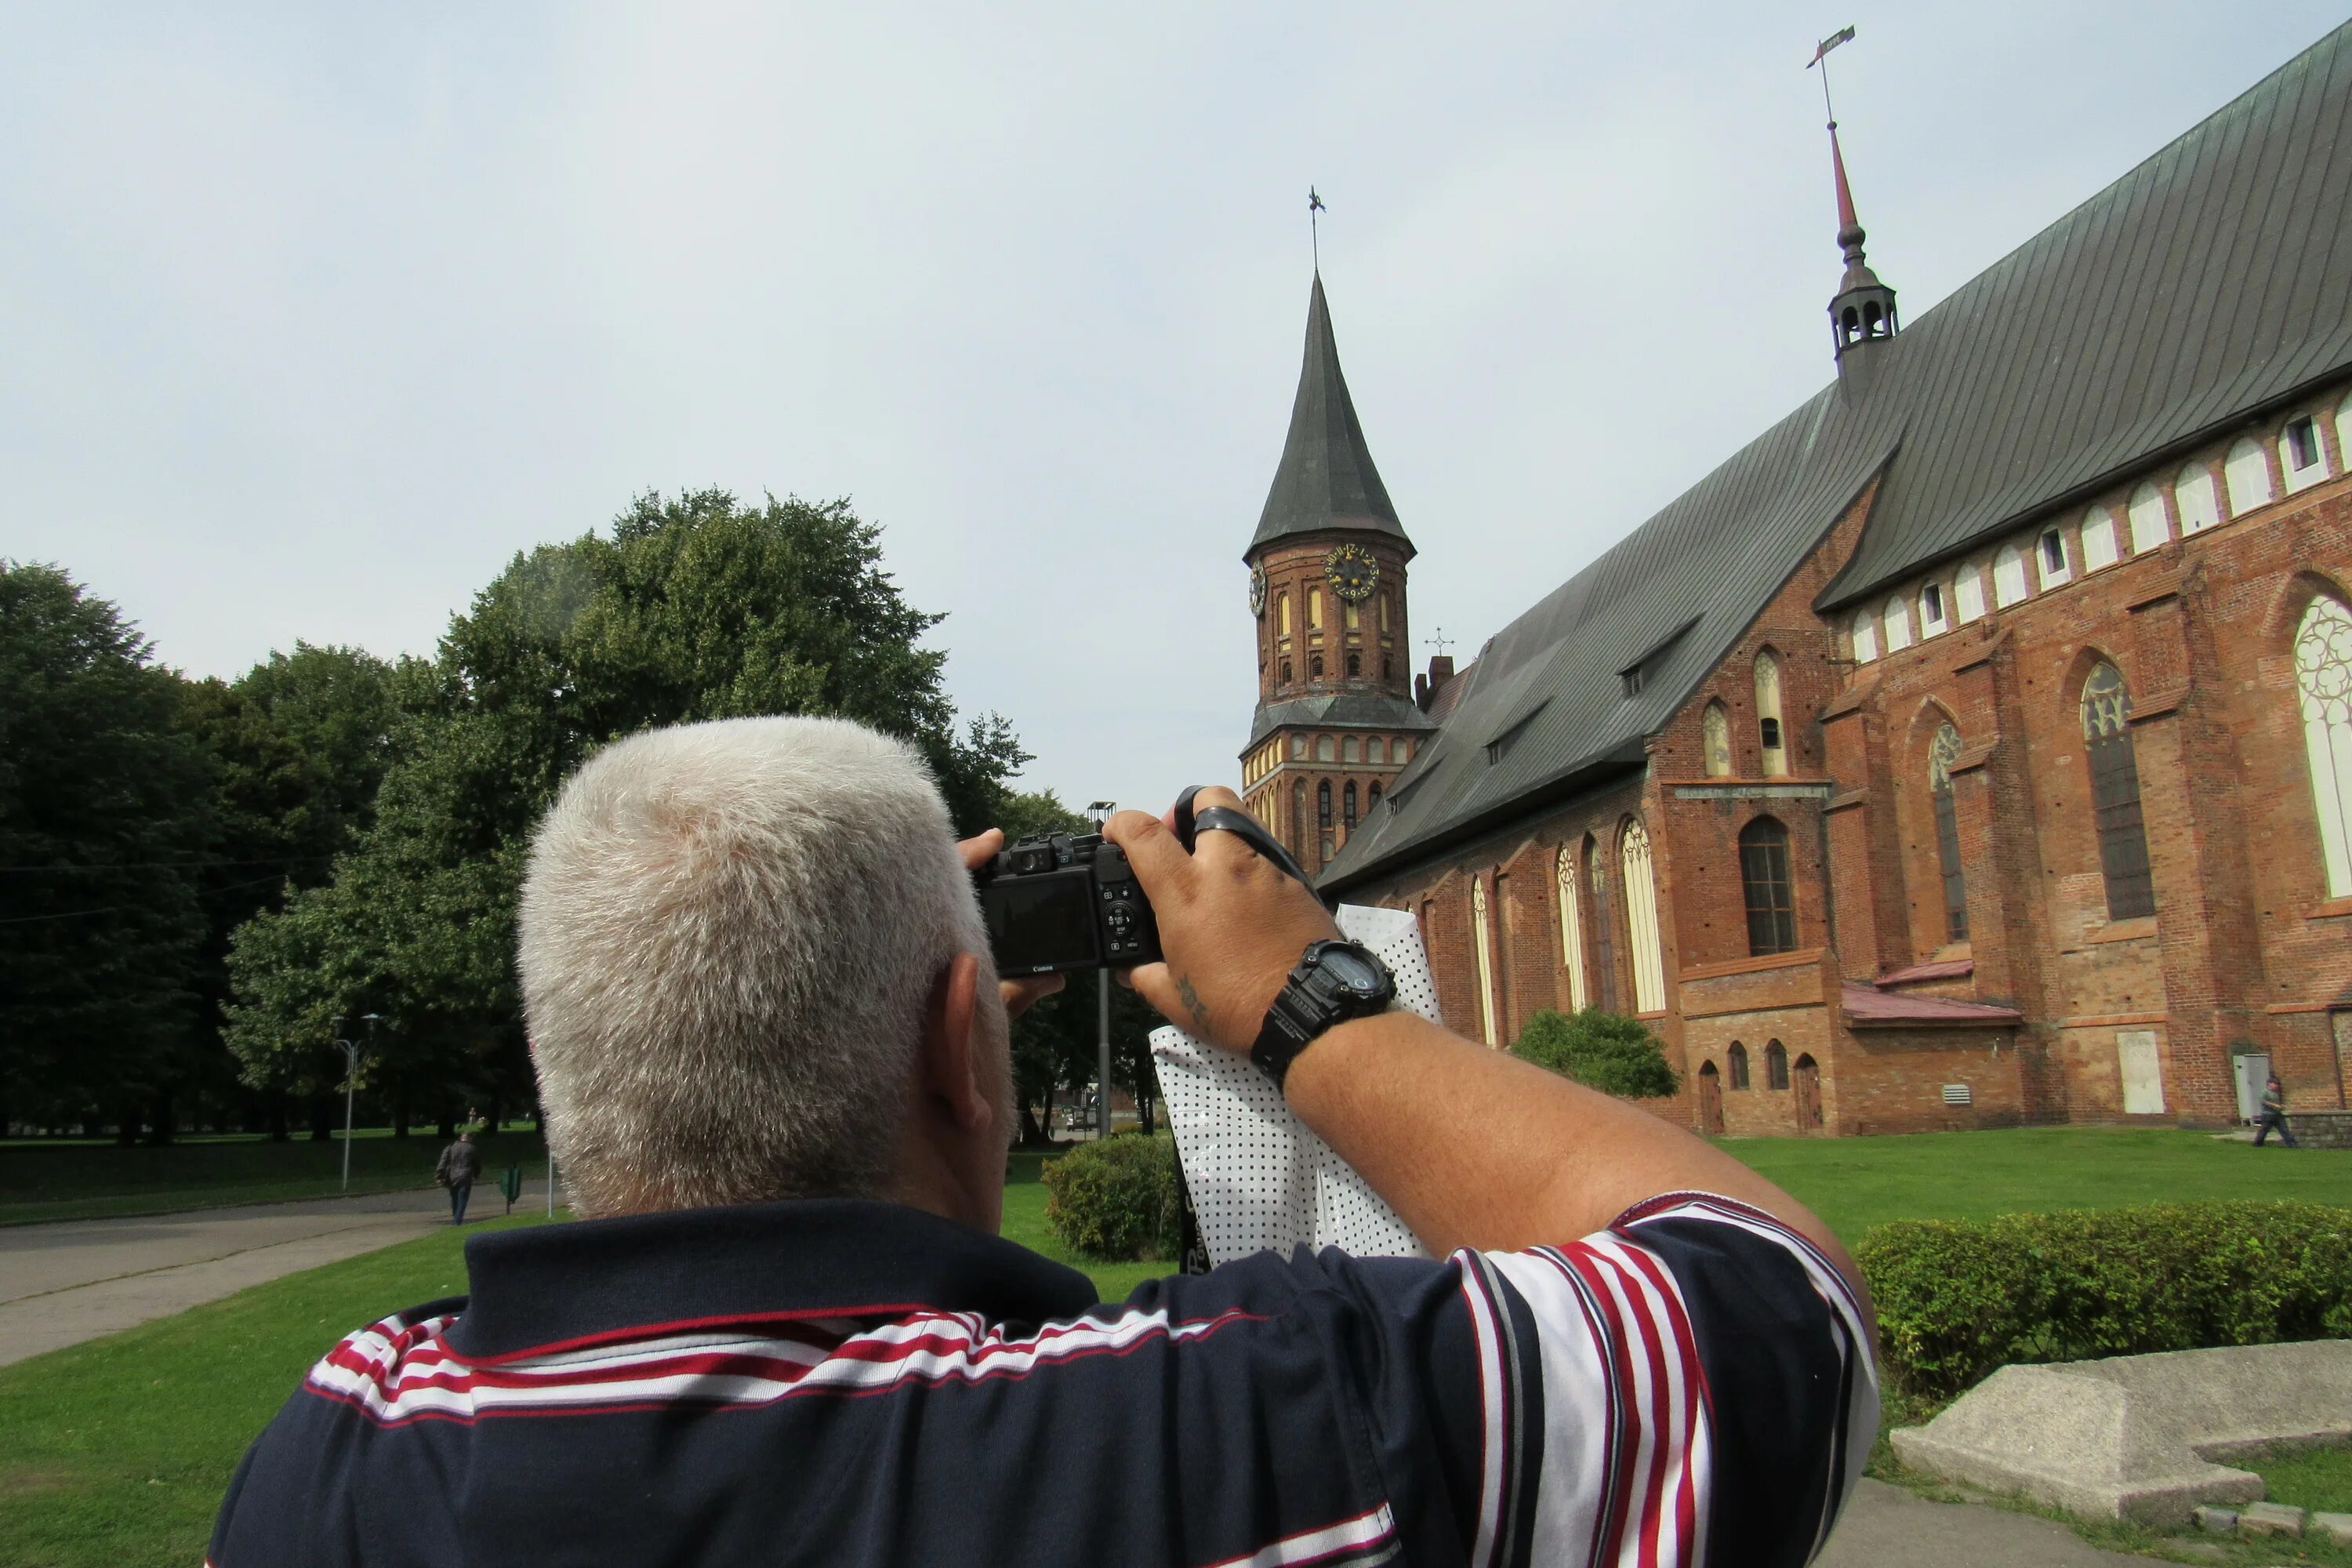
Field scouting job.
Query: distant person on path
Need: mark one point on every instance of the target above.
(2275, 1114)
(774, 1053)
(460, 1167)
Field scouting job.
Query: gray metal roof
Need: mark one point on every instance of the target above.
(1325, 478)
(2209, 284)
(1341, 710)
(2204, 285)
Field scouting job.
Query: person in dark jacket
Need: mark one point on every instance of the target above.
(461, 1168)
(2275, 1114)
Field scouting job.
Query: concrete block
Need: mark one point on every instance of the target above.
(2271, 1519)
(2335, 1527)
(2140, 1437)
(2215, 1519)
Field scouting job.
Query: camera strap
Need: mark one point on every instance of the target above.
(1190, 824)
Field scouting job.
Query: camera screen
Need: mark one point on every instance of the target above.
(1036, 923)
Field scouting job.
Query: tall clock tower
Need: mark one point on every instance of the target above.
(1335, 721)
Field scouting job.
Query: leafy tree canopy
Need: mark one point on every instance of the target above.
(1611, 1052)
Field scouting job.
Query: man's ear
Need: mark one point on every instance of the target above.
(951, 1067)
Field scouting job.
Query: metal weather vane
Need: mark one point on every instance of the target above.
(1820, 55)
(1315, 234)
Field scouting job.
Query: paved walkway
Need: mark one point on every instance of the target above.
(76, 1279)
(1885, 1524)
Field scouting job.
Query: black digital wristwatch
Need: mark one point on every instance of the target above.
(1335, 981)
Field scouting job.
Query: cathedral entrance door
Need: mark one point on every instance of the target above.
(1710, 1101)
(1805, 1078)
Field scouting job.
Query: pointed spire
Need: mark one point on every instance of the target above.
(1326, 480)
(1864, 309)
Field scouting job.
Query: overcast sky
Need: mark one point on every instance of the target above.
(314, 316)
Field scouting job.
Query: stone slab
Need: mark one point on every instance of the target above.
(2336, 1527)
(2141, 1437)
(2215, 1519)
(2271, 1519)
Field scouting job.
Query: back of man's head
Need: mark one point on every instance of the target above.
(729, 933)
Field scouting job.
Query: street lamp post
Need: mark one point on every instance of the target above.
(1098, 812)
(350, 1080)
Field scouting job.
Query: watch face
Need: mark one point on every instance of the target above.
(1350, 971)
(1352, 571)
(1257, 590)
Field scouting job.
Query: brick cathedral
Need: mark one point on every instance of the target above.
(1974, 746)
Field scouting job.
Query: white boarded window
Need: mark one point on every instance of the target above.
(1483, 950)
(1348, 748)
(1376, 750)
(2195, 500)
(2322, 676)
(1572, 931)
(1933, 621)
(1642, 922)
(2248, 473)
(2009, 576)
(1967, 592)
(2142, 1073)
(1771, 742)
(2146, 512)
(2050, 555)
(2300, 457)
(2098, 539)
(1897, 617)
(1865, 637)
(1715, 729)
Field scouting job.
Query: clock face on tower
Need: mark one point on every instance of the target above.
(1353, 573)
(1257, 592)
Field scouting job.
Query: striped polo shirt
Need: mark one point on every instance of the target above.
(837, 1381)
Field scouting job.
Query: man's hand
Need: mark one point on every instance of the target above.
(1232, 925)
(1018, 996)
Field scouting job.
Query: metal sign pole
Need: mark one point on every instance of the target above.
(350, 1083)
(1103, 1062)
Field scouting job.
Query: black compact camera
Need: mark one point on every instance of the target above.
(1064, 901)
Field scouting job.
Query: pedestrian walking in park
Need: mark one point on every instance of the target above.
(460, 1166)
(2275, 1114)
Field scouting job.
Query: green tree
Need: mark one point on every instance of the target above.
(104, 812)
(691, 608)
(1611, 1052)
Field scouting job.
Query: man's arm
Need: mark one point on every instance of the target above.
(1471, 1146)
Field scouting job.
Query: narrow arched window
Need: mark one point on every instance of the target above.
(1604, 926)
(1967, 592)
(1384, 612)
(1738, 1059)
(1286, 613)
(1355, 666)
(1482, 950)
(1716, 732)
(1323, 749)
(1866, 637)
(1376, 750)
(2195, 500)
(2050, 551)
(2301, 456)
(1934, 619)
(1764, 883)
(1641, 922)
(1299, 817)
(1897, 617)
(2008, 576)
(1313, 667)
(2146, 512)
(1348, 748)
(1286, 672)
(2247, 472)
(1776, 1065)
(1350, 615)
(1941, 755)
(2322, 678)
(1387, 669)
(2099, 538)
(1298, 747)
(1572, 931)
(2114, 795)
(1323, 804)
(1314, 609)
(1347, 806)
(1769, 738)
(1372, 797)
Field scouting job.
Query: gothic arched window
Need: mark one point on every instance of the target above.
(1866, 637)
(1313, 667)
(1386, 667)
(1715, 729)
(1372, 797)
(2194, 499)
(1642, 921)
(1355, 666)
(2114, 795)
(1776, 1065)
(1604, 928)
(1482, 953)
(2322, 678)
(1572, 930)
(1347, 806)
(1285, 612)
(2008, 576)
(1967, 592)
(2146, 515)
(1323, 806)
(2098, 539)
(1286, 672)
(1942, 753)
(1738, 1057)
(1299, 816)
(1764, 883)
(2247, 472)
(1769, 733)
(1897, 617)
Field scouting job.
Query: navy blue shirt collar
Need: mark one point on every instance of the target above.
(559, 1287)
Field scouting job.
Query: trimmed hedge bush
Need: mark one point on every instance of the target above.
(1115, 1200)
(1956, 1300)
(1613, 1052)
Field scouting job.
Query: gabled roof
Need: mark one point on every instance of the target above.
(2209, 284)
(1325, 478)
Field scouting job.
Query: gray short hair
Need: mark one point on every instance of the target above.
(729, 933)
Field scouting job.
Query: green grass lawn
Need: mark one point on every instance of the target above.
(74, 1179)
(2319, 1480)
(114, 1453)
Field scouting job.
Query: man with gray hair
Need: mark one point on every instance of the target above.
(773, 1055)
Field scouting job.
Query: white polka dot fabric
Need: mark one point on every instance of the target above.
(1258, 1177)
